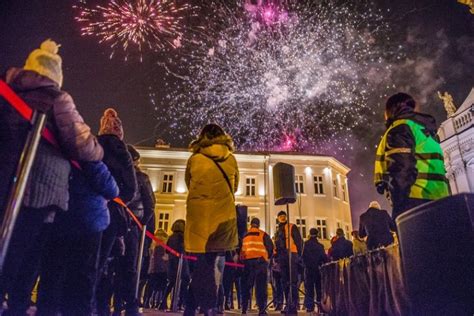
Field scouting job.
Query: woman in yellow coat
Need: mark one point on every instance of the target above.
(212, 178)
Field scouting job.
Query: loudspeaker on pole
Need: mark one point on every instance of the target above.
(284, 183)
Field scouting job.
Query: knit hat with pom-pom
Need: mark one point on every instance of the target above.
(111, 124)
(46, 61)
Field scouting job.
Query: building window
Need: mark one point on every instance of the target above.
(318, 185)
(250, 186)
(323, 228)
(167, 186)
(299, 184)
(344, 192)
(301, 223)
(163, 221)
(348, 232)
(334, 188)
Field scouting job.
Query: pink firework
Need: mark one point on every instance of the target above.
(134, 25)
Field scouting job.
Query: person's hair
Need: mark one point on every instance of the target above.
(178, 226)
(398, 101)
(211, 131)
(340, 232)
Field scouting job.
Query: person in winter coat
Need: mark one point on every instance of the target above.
(176, 242)
(409, 166)
(212, 177)
(288, 240)
(313, 258)
(143, 207)
(377, 225)
(158, 269)
(359, 246)
(39, 84)
(342, 248)
(68, 269)
(119, 161)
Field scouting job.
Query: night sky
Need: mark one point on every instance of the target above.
(437, 37)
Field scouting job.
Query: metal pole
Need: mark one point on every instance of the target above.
(139, 261)
(290, 296)
(20, 181)
(177, 285)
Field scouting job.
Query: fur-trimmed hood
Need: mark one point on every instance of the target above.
(218, 148)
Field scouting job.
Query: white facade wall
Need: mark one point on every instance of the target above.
(331, 208)
(457, 140)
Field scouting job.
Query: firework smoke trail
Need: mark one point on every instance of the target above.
(134, 25)
(298, 72)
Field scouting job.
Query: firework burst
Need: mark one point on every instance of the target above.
(135, 25)
(299, 70)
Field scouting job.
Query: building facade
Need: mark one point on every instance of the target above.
(321, 185)
(457, 140)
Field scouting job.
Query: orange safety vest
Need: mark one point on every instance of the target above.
(253, 246)
(291, 245)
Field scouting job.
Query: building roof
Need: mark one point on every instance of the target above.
(467, 103)
(275, 154)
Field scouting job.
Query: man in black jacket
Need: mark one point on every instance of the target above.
(377, 225)
(284, 246)
(341, 248)
(313, 257)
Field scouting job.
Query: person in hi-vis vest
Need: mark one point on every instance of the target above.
(257, 248)
(295, 245)
(409, 166)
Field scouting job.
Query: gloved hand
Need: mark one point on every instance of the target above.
(381, 187)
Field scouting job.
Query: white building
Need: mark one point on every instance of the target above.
(457, 140)
(321, 182)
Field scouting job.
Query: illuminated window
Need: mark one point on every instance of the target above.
(334, 188)
(163, 221)
(318, 185)
(322, 227)
(344, 191)
(250, 186)
(167, 184)
(299, 184)
(301, 223)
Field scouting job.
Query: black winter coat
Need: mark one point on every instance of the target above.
(118, 160)
(342, 248)
(143, 204)
(313, 254)
(377, 226)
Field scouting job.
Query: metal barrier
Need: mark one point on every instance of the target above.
(140, 261)
(177, 286)
(20, 181)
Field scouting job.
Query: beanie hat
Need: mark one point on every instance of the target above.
(111, 124)
(313, 232)
(374, 204)
(255, 221)
(46, 61)
(281, 213)
(133, 152)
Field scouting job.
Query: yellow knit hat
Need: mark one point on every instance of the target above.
(46, 61)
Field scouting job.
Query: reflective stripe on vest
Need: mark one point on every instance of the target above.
(292, 245)
(253, 246)
(431, 182)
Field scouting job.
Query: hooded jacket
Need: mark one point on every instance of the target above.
(211, 222)
(402, 166)
(48, 184)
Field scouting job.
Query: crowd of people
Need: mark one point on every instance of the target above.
(83, 246)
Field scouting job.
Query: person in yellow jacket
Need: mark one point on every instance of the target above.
(409, 166)
(212, 177)
(257, 248)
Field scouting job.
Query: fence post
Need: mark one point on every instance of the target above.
(177, 285)
(139, 262)
(20, 181)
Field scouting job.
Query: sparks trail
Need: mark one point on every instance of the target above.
(135, 26)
